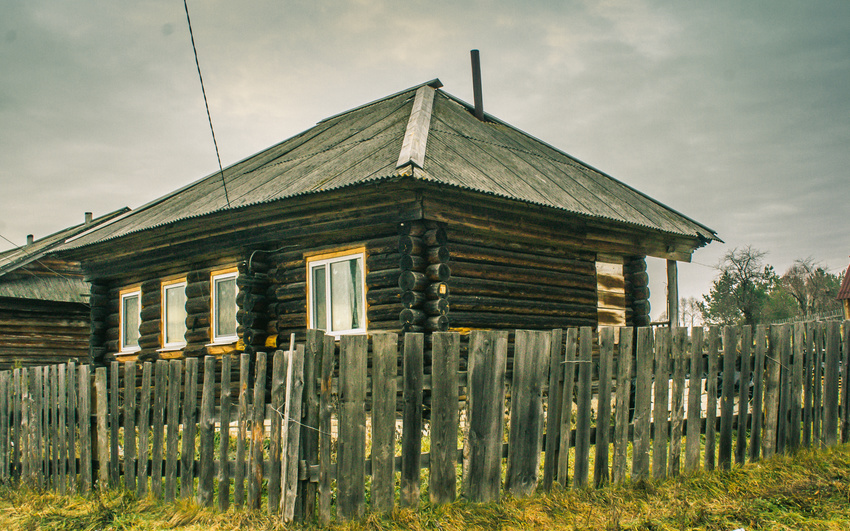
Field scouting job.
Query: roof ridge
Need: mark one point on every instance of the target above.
(416, 135)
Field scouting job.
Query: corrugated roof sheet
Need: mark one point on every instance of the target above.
(363, 145)
(46, 289)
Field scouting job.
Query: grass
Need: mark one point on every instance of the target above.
(809, 490)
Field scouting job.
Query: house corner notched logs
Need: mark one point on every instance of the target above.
(438, 274)
(99, 304)
(150, 321)
(252, 316)
(197, 313)
(637, 291)
(412, 279)
(287, 296)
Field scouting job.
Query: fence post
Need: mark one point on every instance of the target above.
(697, 368)
(175, 370)
(327, 355)
(677, 403)
(744, 394)
(384, 371)
(114, 465)
(624, 387)
(129, 426)
(85, 429)
(603, 418)
(255, 480)
(711, 399)
(206, 428)
(351, 453)
(830, 388)
(553, 409)
(566, 406)
(444, 417)
(190, 419)
(845, 385)
(102, 434)
(771, 393)
(643, 390)
(294, 400)
(411, 439)
(224, 440)
(727, 404)
(585, 370)
(144, 429)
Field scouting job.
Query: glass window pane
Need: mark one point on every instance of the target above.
(346, 294)
(175, 314)
(320, 313)
(130, 325)
(225, 307)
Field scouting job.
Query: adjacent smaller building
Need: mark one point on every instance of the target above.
(844, 293)
(44, 310)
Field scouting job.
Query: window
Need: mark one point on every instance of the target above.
(223, 316)
(130, 310)
(335, 292)
(174, 314)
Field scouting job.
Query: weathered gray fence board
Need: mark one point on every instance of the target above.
(85, 430)
(784, 387)
(808, 370)
(190, 420)
(279, 375)
(241, 431)
(351, 452)
(603, 418)
(660, 406)
(54, 429)
(310, 419)
(643, 396)
(175, 373)
(525, 439)
(486, 404)
(206, 431)
(581, 468)
(102, 427)
(114, 465)
(771, 393)
(19, 423)
(385, 369)
(697, 368)
(553, 408)
(727, 396)
(566, 406)
(411, 438)
(71, 381)
(796, 386)
(159, 396)
(713, 346)
(144, 430)
(223, 477)
(258, 411)
(744, 394)
(677, 400)
(845, 384)
(816, 330)
(130, 426)
(4, 427)
(325, 440)
(621, 421)
(294, 403)
(444, 417)
(830, 388)
(758, 393)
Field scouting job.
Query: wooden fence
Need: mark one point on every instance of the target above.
(575, 404)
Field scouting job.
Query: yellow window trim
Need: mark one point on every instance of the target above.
(226, 340)
(131, 290)
(324, 255)
(163, 322)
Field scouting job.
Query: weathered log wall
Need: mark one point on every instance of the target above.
(34, 332)
(637, 291)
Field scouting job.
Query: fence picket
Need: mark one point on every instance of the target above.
(159, 396)
(4, 426)
(531, 362)
(566, 407)
(784, 387)
(17, 425)
(351, 454)
(39, 460)
(279, 375)
(411, 437)
(294, 402)
(328, 351)
(808, 390)
(796, 387)
(175, 373)
(744, 395)
(817, 384)
(54, 427)
(845, 385)
(241, 431)
(660, 406)
(553, 408)
(621, 422)
(114, 465)
(759, 376)
(102, 427)
(488, 353)
(697, 368)
(144, 429)
(206, 431)
(85, 430)
(255, 479)
(727, 404)
(190, 420)
(771, 393)
(677, 400)
(224, 439)
(581, 468)
(603, 420)
(444, 417)
(643, 389)
(384, 370)
(130, 426)
(71, 382)
(830, 388)
(310, 434)
(711, 398)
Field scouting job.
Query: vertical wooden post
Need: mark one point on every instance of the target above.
(326, 408)
(351, 451)
(660, 409)
(130, 426)
(241, 431)
(224, 438)
(727, 403)
(525, 439)
(190, 420)
(553, 408)
(585, 372)
(144, 430)
(808, 362)
(159, 396)
(411, 438)
(771, 393)
(294, 403)
(258, 417)
(784, 387)
(384, 371)
(102, 433)
(744, 394)
(173, 419)
(621, 422)
(71, 382)
(673, 292)
(206, 429)
(85, 430)
(845, 380)
(603, 418)
(796, 386)
(444, 417)
(114, 465)
(567, 406)
(18, 424)
(4, 429)
(310, 434)
(279, 376)
(830, 388)
(54, 430)
(643, 396)
(711, 400)
(697, 368)
(677, 402)
(817, 383)
(758, 393)
(482, 470)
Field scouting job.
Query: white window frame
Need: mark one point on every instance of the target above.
(326, 260)
(173, 284)
(124, 295)
(214, 277)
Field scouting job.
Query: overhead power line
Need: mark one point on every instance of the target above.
(206, 104)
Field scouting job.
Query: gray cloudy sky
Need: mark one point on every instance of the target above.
(734, 113)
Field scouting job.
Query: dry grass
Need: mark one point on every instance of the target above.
(810, 490)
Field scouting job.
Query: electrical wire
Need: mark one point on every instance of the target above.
(206, 104)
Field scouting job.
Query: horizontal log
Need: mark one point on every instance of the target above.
(465, 303)
(293, 306)
(393, 326)
(98, 288)
(410, 245)
(255, 337)
(197, 320)
(437, 290)
(438, 272)
(99, 313)
(384, 296)
(382, 279)
(150, 340)
(198, 305)
(438, 255)
(518, 274)
(412, 281)
(253, 285)
(112, 333)
(149, 327)
(486, 240)
(439, 323)
(639, 279)
(412, 299)
(151, 313)
(408, 262)
(437, 307)
(98, 300)
(635, 266)
(387, 244)
(201, 335)
(255, 303)
(412, 316)
(383, 312)
(198, 276)
(251, 319)
(111, 346)
(151, 297)
(411, 228)
(519, 290)
(501, 320)
(292, 320)
(435, 237)
(294, 290)
(198, 289)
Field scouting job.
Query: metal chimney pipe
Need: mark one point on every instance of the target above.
(30, 239)
(476, 85)
(88, 217)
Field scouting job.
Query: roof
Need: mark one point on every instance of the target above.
(844, 290)
(23, 275)
(423, 134)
